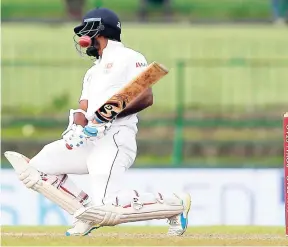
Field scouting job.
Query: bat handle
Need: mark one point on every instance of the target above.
(94, 121)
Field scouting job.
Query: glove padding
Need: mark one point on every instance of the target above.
(74, 136)
(77, 136)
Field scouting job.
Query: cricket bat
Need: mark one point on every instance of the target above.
(117, 103)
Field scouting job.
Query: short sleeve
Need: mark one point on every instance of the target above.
(85, 85)
(136, 66)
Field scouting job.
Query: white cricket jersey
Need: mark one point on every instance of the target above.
(116, 68)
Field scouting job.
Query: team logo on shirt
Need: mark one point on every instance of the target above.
(139, 65)
(107, 68)
(108, 65)
(111, 108)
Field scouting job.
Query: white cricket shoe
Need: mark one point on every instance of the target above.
(178, 223)
(81, 228)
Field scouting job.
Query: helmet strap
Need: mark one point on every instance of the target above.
(92, 50)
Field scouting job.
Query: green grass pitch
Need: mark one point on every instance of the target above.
(146, 236)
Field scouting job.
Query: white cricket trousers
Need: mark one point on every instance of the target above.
(105, 160)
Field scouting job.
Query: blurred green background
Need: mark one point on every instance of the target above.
(220, 106)
(181, 9)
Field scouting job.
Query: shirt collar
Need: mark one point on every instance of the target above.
(111, 45)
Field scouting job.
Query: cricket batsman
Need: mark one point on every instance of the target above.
(104, 150)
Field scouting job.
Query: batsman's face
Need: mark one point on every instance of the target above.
(100, 44)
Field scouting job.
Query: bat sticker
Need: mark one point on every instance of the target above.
(111, 108)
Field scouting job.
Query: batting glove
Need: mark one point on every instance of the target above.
(96, 130)
(74, 137)
(77, 136)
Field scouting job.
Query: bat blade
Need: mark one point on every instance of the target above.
(118, 102)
